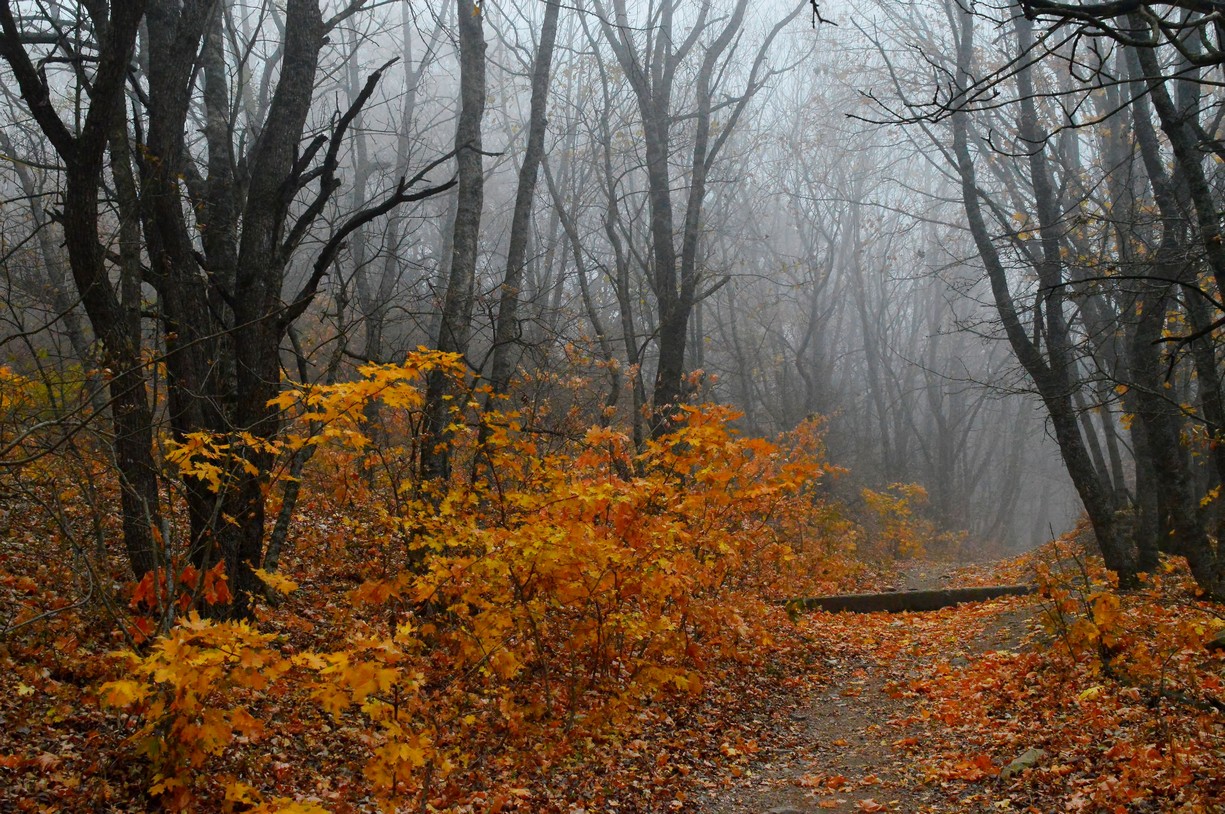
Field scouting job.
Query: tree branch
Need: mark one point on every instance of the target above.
(357, 220)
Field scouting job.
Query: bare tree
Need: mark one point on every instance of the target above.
(219, 234)
(507, 328)
(651, 64)
(112, 313)
(456, 319)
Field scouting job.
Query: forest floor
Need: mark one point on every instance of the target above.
(1075, 699)
(909, 712)
(857, 739)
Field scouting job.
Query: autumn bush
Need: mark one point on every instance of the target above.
(542, 595)
(1149, 641)
(896, 528)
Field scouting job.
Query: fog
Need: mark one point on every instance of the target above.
(939, 229)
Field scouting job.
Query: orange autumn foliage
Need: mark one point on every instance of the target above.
(537, 599)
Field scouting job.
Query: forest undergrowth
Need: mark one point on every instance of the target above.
(565, 624)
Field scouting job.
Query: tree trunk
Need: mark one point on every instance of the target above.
(455, 324)
(82, 153)
(1051, 378)
(905, 601)
(507, 330)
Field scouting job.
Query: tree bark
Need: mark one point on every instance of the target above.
(456, 321)
(82, 154)
(507, 329)
(1052, 377)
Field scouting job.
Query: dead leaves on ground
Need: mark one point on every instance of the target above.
(1136, 732)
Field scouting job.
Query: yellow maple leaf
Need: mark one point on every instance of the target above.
(1090, 694)
(277, 582)
(122, 693)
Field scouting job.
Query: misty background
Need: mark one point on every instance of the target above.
(825, 255)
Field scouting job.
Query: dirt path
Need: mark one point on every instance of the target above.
(845, 745)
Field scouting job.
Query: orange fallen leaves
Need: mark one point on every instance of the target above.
(824, 784)
(975, 768)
